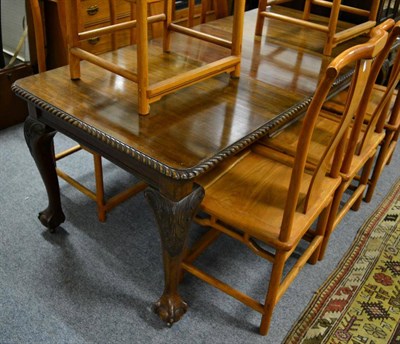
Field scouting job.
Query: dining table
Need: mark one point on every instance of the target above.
(187, 133)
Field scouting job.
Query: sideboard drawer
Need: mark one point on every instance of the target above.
(94, 12)
(103, 43)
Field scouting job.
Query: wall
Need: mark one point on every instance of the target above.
(13, 22)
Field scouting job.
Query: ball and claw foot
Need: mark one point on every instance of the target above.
(170, 309)
(51, 220)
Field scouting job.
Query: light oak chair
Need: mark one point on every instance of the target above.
(388, 146)
(151, 92)
(333, 35)
(389, 121)
(359, 145)
(269, 203)
(103, 205)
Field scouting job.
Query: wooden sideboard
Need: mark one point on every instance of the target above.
(95, 14)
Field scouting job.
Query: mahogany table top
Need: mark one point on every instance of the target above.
(188, 130)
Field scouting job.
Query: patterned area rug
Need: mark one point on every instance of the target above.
(360, 302)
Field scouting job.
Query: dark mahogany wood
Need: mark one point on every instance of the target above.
(39, 138)
(187, 133)
(173, 220)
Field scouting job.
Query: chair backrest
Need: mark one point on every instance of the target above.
(390, 114)
(356, 146)
(362, 55)
(333, 35)
(337, 6)
(379, 117)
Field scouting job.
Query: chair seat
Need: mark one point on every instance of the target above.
(369, 151)
(336, 104)
(258, 192)
(286, 141)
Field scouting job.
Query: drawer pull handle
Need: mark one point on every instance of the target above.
(92, 10)
(94, 40)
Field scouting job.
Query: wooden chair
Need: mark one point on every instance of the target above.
(148, 93)
(333, 35)
(359, 147)
(388, 146)
(264, 201)
(389, 121)
(103, 205)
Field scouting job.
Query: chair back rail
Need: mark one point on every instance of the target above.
(329, 28)
(363, 55)
(380, 115)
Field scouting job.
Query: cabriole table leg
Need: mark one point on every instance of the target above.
(39, 138)
(173, 220)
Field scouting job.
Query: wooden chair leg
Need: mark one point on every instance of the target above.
(333, 21)
(73, 38)
(383, 158)
(204, 8)
(394, 142)
(363, 181)
(262, 4)
(321, 229)
(373, 182)
(199, 247)
(331, 223)
(98, 174)
(273, 289)
(191, 5)
(389, 159)
(307, 10)
(142, 58)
